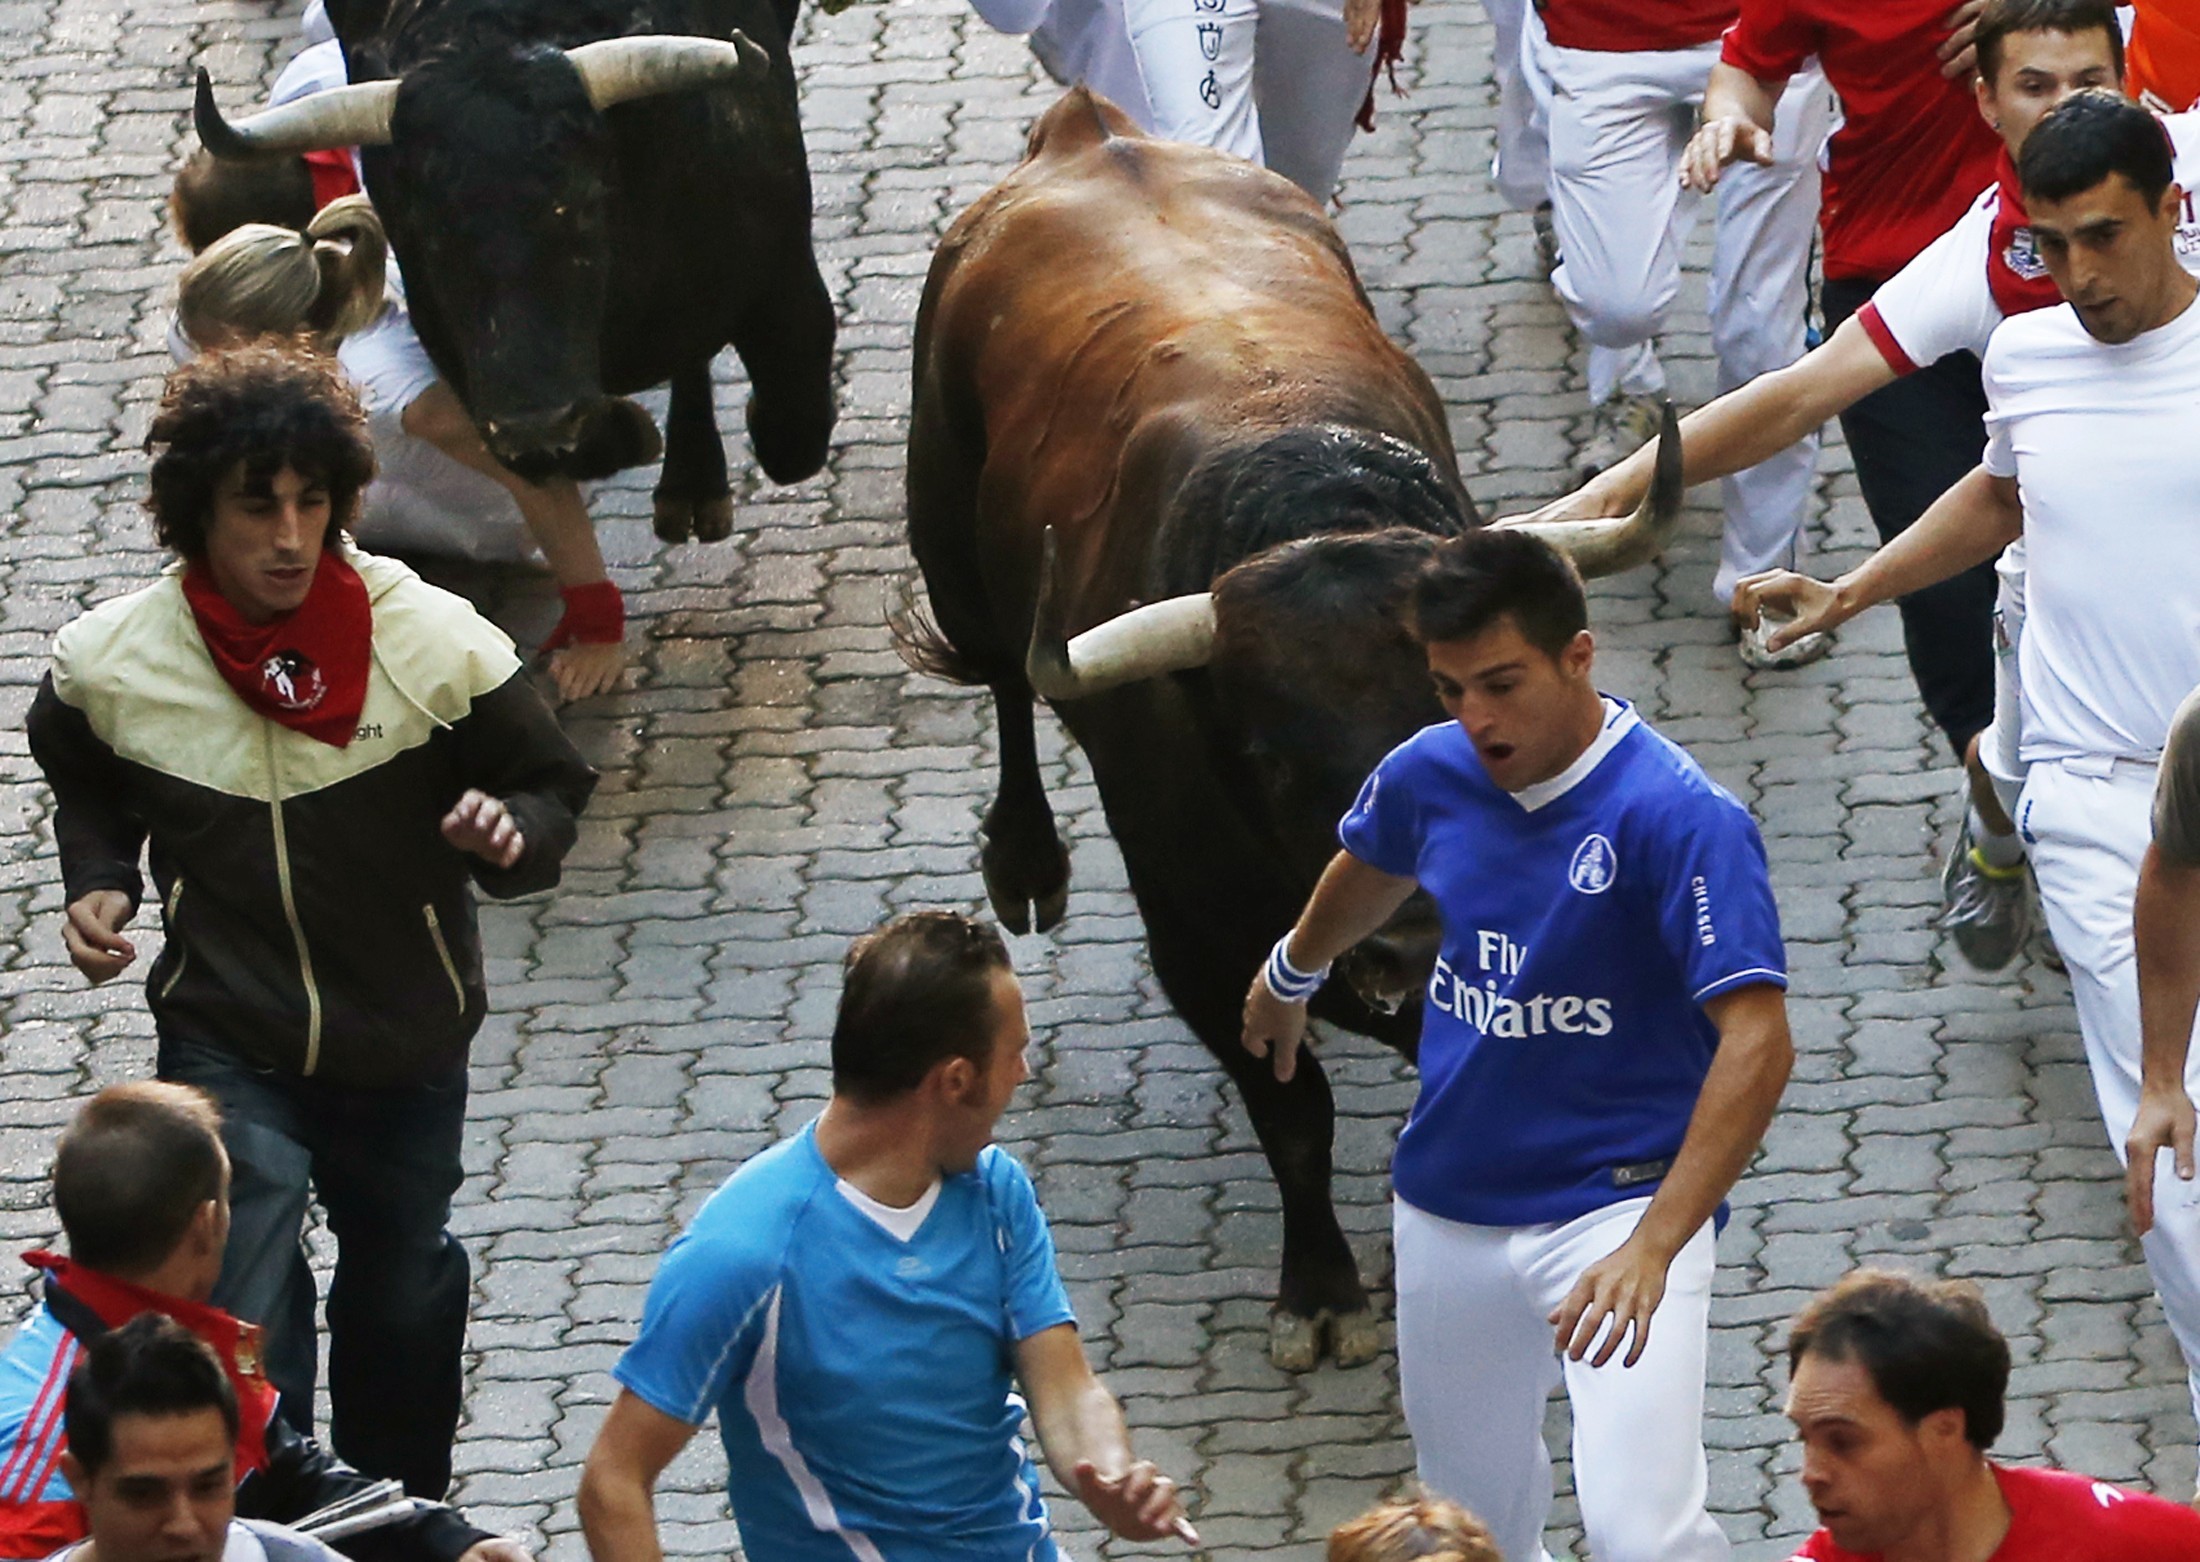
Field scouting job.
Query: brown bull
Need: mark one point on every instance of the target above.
(1153, 366)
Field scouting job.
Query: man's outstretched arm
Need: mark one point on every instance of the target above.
(1352, 900)
(1088, 1447)
(618, 1496)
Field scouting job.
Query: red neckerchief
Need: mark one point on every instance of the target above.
(235, 1342)
(2014, 271)
(306, 669)
(1390, 48)
(332, 173)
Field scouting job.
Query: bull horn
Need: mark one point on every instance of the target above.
(619, 70)
(342, 116)
(1616, 543)
(1161, 637)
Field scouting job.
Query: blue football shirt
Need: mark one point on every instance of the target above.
(864, 1385)
(1586, 920)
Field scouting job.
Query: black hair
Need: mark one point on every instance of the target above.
(151, 1366)
(139, 1160)
(916, 992)
(2089, 136)
(2001, 18)
(215, 195)
(1472, 581)
(1926, 1346)
(265, 407)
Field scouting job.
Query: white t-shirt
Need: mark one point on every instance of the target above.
(1940, 302)
(2104, 442)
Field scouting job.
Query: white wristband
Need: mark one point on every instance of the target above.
(1287, 981)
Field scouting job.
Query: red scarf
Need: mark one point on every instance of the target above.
(2014, 271)
(235, 1342)
(306, 669)
(332, 173)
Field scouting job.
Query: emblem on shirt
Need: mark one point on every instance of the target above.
(1594, 867)
(2023, 256)
(911, 1267)
(291, 680)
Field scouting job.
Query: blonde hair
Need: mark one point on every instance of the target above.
(1413, 1529)
(262, 280)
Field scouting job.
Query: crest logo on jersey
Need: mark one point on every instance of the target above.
(2023, 256)
(1594, 867)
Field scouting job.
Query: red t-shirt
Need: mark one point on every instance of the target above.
(1912, 151)
(1629, 26)
(2058, 1517)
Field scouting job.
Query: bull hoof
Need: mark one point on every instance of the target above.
(1051, 907)
(672, 519)
(1295, 1342)
(714, 519)
(1354, 1341)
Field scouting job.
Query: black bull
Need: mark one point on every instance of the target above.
(1152, 367)
(571, 235)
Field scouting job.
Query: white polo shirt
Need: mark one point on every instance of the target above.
(2104, 442)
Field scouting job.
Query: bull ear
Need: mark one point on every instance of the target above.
(619, 70)
(1161, 637)
(343, 116)
(1608, 546)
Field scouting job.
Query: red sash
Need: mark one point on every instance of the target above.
(306, 669)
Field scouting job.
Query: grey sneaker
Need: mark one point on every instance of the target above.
(1984, 907)
(1546, 239)
(1617, 429)
(1750, 643)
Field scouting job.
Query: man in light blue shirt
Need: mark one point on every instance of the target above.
(858, 1303)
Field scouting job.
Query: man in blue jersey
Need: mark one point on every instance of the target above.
(1604, 1039)
(854, 1303)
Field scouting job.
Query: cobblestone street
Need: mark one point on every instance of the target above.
(776, 781)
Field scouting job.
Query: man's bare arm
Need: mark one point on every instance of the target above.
(1352, 900)
(2166, 927)
(1735, 1107)
(1087, 1446)
(619, 1482)
(1749, 424)
(1967, 525)
(1736, 125)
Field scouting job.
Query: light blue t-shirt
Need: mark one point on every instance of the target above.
(1586, 920)
(864, 1385)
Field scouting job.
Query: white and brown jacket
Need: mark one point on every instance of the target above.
(317, 921)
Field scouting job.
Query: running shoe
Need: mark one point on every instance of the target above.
(1986, 908)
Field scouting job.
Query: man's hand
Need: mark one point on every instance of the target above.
(1273, 1026)
(1718, 142)
(482, 825)
(583, 671)
(1623, 1289)
(1139, 1504)
(92, 933)
(1801, 605)
(1959, 55)
(497, 1550)
(2165, 1119)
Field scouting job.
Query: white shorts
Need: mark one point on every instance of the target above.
(1477, 1360)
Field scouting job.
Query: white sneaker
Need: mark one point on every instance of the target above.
(1617, 429)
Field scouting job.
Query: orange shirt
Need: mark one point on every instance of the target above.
(2163, 59)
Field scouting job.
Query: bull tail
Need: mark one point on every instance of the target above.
(922, 645)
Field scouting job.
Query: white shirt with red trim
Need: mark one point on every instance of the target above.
(1940, 303)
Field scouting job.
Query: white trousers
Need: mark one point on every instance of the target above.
(1272, 81)
(1618, 126)
(1088, 42)
(2086, 825)
(1476, 1362)
(1522, 167)
(1998, 744)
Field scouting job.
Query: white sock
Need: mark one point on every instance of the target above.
(1995, 850)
